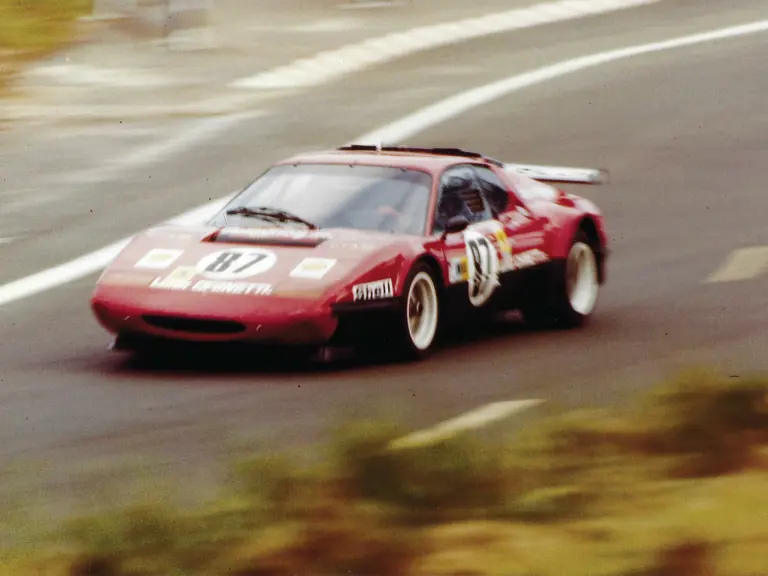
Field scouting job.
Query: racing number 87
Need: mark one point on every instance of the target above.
(226, 259)
(485, 266)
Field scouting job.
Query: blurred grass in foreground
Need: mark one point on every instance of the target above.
(674, 486)
(31, 29)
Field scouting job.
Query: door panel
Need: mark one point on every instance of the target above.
(525, 232)
(472, 255)
(484, 258)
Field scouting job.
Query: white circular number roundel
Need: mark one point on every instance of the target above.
(235, 263)
(482, 267)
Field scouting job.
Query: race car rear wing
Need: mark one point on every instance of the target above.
(561, 173)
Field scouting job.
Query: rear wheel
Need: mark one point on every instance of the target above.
(571, 297)
(581, 282)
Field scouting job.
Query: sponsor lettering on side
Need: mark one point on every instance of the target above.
(373, 290)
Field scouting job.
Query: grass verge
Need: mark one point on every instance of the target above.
(674, 486)
(32, 29)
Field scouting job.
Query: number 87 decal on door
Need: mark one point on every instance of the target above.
(482, 267)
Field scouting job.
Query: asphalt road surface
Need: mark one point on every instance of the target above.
(683, 132)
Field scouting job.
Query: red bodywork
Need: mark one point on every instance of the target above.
(277, 305)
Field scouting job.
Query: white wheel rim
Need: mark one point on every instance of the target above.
(581, 278)
(421, 311)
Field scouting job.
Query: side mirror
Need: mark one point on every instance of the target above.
(455, 224)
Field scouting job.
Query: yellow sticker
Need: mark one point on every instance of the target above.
(458, 270)
(503, 241)
(182, 273)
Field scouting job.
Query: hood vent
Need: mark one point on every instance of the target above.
(271, 237)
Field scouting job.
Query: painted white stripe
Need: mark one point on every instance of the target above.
(200, 132)
(742, 264)
(84, 74)
(6, 240)
(92, 262)
(399, 44)
(161, 150)
(465, 101)
(369, 4)
(328, 25)
(395, 132)
(62, 274)
(477, 418)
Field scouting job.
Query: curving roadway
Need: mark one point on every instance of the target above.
(683, 132)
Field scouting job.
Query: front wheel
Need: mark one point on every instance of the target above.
(418, 318)
(571, 297)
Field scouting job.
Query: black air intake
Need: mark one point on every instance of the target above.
(196, 325)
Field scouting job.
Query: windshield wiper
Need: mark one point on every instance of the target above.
(271, 214)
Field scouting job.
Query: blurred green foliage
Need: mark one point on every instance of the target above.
(673, 486)
(31, 29)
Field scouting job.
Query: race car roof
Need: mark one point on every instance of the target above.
(430, 159)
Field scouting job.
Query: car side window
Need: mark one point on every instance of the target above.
(460, 195)
(494, 190)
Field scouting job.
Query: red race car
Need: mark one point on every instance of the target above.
(365, 246)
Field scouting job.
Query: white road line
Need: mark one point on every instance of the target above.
(477, 418)
(333, 64)
(92, 262)
(163, 149)
(460, 103)
(84, 74)
(369, 4)
(6, 240)
(328, 25)
(397, 131)
(742, 264)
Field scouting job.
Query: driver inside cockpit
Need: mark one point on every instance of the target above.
(460, 197)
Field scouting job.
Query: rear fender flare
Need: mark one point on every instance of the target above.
(564, 239)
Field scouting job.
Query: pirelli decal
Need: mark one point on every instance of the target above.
(373, 290)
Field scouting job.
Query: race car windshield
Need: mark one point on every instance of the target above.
(363, 197)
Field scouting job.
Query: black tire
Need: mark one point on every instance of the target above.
(293, 356)
(298, 356)
(558, 304)
(127, 342)
(145, 346)
(421, 294)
